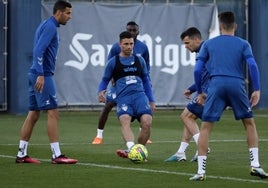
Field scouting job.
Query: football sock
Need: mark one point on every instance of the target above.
(183, 147)
(99, 133)
(55, 148)
(195, 137)
(202, 162)
(23, 145)
(130, 144)
(254, 157)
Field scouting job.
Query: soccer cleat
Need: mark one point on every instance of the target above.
(198, 177)
(176, 157)
(27, 159)
(97, 140)
(258, 172)
(122, 153)
(63, 160)
(149, 141)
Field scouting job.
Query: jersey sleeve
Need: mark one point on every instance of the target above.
(107, 76)
(42, 42)
(198, 75)
(254, 73)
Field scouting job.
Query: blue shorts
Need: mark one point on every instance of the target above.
(226, 91)
(134, 105)
(111, 95)
(195, 108)
(42, 101)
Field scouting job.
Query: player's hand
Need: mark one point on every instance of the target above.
(153, 107)
(255, 97)
(200, 99)
(187, 94)
(101, 96)
(39, 84)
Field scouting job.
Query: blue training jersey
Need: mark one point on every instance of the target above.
(46, 42)
(127, 85)
(228, 61)
(139, 49)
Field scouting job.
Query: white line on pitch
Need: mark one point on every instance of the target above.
(154, 171)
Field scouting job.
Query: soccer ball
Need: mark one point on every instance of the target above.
(138, 153)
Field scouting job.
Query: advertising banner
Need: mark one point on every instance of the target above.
(85, 42)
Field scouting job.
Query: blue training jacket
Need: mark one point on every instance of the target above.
(46, 43)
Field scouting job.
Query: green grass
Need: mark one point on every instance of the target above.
(227, 166)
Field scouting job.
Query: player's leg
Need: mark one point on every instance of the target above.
(180, 154)
(28, 125)
(205, 131)
(25, 135)
(145, 115)
(102, 122)
(146, 123)
(128, 136)
(149, 141)
(190, 130)
(48, 101)
(242, 110)
(213, 108)
(252, 140)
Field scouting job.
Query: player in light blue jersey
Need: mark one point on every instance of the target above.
(192, 40)
(139, 49)
(225, 57)
(42, 89)
(134, 96)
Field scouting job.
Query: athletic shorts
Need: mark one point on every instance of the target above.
(134, 105)
(195, 108)
(111, 95)
(42, 101)
(226, 91)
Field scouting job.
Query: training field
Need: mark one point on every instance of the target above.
(99, 166)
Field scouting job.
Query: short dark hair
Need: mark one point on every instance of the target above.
(227, 19)
(125, 35)
(61, 5)
(191, 32)
(132, 23)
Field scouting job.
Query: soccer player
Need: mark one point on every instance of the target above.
(193, 42)
(134, 94)
(224, 56)
(42, 91)
(139, 49)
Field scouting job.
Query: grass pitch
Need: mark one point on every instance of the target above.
(99, 166)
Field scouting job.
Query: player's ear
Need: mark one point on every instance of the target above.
(235, 26)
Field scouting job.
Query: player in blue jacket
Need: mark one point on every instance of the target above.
(225, 57)
(139, 49)
(134, 96)
(192, 39)
(42, 89)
